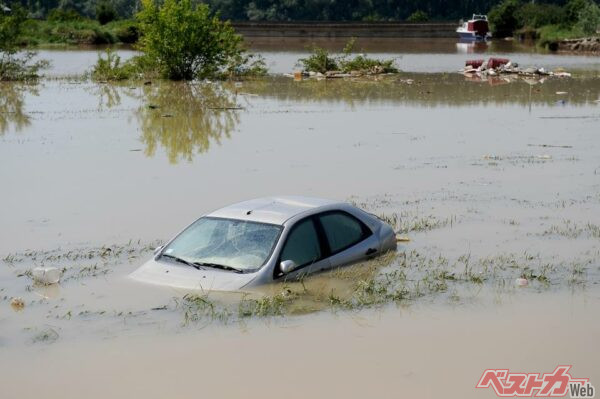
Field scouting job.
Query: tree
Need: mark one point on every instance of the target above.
(105, 12)
(12, 66)
(573, 8)
(11, 25)
(418, 16)
(186, 41)
(589, 19)
(503, 17)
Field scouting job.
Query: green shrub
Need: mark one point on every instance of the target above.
(127, 32)
(20, 67)
(111, 68)
(573, 9)
(418, 16)
(105, 12)
(12, 66)
(536, 15)
(589, 19)
(60, 15)
(550, 35)
(319, 61)
(362, 63)
(186, 41)
(503, 18)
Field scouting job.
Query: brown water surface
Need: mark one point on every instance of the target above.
(491, 180)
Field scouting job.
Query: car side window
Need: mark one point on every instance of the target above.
(342, 230)
(302, 244)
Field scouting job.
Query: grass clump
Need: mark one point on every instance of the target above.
(111, 68)
(321, 61)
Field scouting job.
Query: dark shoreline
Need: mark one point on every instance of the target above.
(347, 29)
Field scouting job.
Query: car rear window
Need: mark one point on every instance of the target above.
(342, 230)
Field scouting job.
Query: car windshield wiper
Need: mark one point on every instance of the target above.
(218, 266)
(181, 260)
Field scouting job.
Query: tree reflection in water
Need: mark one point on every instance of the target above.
(186, 118)
(12, 101)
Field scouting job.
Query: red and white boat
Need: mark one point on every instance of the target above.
(477, 28)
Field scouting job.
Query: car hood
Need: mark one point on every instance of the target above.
(186, 277)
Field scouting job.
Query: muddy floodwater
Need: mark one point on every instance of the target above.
(493, 184)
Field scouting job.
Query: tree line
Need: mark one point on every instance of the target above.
(290, 10)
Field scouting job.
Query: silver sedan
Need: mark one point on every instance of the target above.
(265, 240)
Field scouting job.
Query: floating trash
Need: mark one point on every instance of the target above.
(17, 304)
(46, 275)
(522, 282)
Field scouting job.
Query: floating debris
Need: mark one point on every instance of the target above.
(522, 282)
(503, 66)
(400, 238)
(46, 275)
(17, 304)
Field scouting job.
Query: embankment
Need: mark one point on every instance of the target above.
(346, 29)
(584, 45)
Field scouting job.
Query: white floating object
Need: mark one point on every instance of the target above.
(46, 275)
(561, 93)
(522, 282)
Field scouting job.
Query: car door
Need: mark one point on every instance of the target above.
(305, 247)
(349, 240)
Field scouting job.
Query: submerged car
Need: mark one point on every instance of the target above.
(266, 240)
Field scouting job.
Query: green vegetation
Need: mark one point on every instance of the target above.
(321, 61)
(111, 68)
(13, 66)
(60, 29)
(547, 22)
(186, 41)
(418, 16)
(182, 41)
(105, 12)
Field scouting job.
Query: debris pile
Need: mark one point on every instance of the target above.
(372, 71)
(503, 66)
(587, 45)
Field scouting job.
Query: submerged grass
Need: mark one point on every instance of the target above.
(572, 229)
(396, 278)
(80, 263)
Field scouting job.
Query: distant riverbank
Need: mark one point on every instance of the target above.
(347, 29)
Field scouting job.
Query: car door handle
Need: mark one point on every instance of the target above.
(370, 251)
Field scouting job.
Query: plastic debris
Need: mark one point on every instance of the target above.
(504, 66)
(400, 238)
(17, 304)
(474, 63)
(522, 282)
(46, 275)
(561, 93)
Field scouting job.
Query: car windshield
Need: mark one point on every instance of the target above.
(236, 244)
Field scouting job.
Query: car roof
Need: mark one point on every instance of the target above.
(274, 210)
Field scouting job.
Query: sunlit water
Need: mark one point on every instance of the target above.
(411, 55)
(507, 171)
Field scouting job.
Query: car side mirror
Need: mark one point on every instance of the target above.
(158, 249)
(287, 266)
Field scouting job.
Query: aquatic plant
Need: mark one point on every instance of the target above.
(320, 60)
(111, 68)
